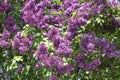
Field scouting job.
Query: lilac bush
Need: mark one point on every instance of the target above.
(59, 39)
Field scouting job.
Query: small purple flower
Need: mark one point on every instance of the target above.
(75, 1)
(117, 53)
(26, 41)
(20, 68)
(82, 21)
(57, 39)
(21, 43)
(68, 11)
(22, 49)
(42, 57)
(90, 47)
(51, 61)
(56, 6)
(5, 44)
(56, 19)
(5, 35)
(70, 35)
(109, 50)
(114, 3)
(37, 66)
(60, 69)
(75, 5)
(80, 60)
(69, 68)
(99, 2)
(88, 43)
(42, 49)
(53, 77)
(52, 32)
(47, 18)
(115, 22)
(93, 65)
(10, 25)
(4, 7)
(64, 50)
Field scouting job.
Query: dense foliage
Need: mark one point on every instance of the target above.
(59, 40)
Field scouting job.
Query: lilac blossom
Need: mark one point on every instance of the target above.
(64, 50)
(53, 77)
(94, 65)
(33, 13)
(90, 43)
(114, 3)
(21, 44)
(80, 60)
(5, 42)
(5, 35)
(62, 69)
(37, 66)
(5, 7)
(10, 25)
(42, 49)
(54, 31)
(20, 68)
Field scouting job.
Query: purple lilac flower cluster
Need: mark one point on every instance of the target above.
(81, 62)
(100, 5)
(53, 77)
(42, 51)
(73, 13)
(90, 43)
(98, 8)
(70, 6)
(20, 68)
(80, 19)
(33, 13)
(37, 66)
(115, 22)
(5, 7)
(62, 69)
(5, 42)
(9, 28)
(10, 25)
(113, 3)
(21, 43)
(61, 44)
(52, 61)
(84, 12)
(99, 2)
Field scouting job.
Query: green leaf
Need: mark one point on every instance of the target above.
(18, 58)
(54, 13)
(24, 34)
